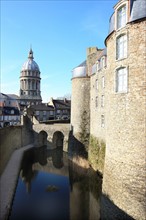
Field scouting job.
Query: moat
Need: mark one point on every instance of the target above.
(54, 186)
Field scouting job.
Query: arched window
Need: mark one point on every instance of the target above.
(121, 47)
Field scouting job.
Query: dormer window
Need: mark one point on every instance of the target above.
(121, 17)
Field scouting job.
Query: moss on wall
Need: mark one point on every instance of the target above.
(97, 153)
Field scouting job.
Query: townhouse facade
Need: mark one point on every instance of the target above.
(9, 110)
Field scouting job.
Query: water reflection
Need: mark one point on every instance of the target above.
(53, 187)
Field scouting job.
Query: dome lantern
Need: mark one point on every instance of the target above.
(30, 55)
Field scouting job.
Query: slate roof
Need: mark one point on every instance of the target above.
(103, 53)
(42, 107)
(138, 9)
(62, 104)
(82, 64)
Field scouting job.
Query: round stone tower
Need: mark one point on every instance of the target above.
(30, 82)
(80, 104)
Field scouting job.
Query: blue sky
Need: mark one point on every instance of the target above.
(59, 32)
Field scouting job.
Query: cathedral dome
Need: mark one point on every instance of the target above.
(30, 64)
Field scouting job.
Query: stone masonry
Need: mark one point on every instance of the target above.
(116, 119)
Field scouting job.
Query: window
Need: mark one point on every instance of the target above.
(121, 47)
(97, 65)
(121, 17)
(102, 101)
(51, 112)
(94, 69)
(103, 62)
(44, 112)
(12, 112)
(103, 82)
(121, 80)
(102, 121)
(64, 111)
(37, 112)
(58, 111)
(96, 84)
(96, 101)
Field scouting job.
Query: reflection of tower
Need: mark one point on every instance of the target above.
(30, 82)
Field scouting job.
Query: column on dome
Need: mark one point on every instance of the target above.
(21, 84)
(24, 84)
(32, 84)
(29, 84)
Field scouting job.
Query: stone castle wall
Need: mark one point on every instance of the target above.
(124, 171)
(12, 138)
(97, 110)
(118, 149)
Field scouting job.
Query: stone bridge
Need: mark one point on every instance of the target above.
(53, 135)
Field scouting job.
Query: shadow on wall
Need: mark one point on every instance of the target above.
(75, 147)
(110, 211)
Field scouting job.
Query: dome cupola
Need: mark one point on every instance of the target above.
(30, 64)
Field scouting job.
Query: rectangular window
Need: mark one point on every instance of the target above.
(37, 112)
(121, 17)
(96, 84)
(58, 111)
(102, 101)
(65, 111)
(96, 101)
(99, 65)
(121, 80)
(102, 121)
(121, 47)
(51, 112)
(94, 69)
(44, 112)
(103, 82)
(103, 61)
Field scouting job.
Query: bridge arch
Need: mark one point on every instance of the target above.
(57, 134)
(58, 139)
(42, 138)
